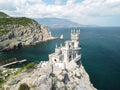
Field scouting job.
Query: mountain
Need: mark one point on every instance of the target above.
(3, 15)
(21, 31)
(58, 22)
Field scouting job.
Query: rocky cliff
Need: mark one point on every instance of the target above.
(44, 77)
(18, 32)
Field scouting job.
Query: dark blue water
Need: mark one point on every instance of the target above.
(100, 54)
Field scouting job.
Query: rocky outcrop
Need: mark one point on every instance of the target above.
(45, 77)
(21, 35)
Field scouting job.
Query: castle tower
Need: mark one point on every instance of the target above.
(65, 54)
(75, 34)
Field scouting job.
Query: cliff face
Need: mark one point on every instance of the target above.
(44, 77)
(16, 35)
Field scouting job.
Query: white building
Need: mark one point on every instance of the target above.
(63, 55)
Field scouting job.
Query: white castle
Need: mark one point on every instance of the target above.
(65, 55)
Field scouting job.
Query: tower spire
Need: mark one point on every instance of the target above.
(61, 45)
(56, 46)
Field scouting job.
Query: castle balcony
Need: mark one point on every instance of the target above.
(77, 58)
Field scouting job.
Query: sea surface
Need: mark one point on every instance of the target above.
(100, 54)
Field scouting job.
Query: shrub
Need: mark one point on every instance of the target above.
(24, 86)
(30, 65)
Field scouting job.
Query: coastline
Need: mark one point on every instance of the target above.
(5, 49)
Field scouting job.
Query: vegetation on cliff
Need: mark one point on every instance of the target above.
(4, 22)
(18, 20)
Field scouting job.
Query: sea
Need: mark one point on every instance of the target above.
(100, 53)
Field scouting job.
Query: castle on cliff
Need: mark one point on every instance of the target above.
(64, 56)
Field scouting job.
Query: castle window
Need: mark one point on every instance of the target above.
(55, 60)
(70, 57)
(69, 46)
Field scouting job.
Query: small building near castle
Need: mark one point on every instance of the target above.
(64, 55)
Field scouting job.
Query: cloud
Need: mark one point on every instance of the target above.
(101, 12)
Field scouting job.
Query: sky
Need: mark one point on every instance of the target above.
(87, 12)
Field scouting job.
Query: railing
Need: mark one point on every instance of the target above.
(14, 62)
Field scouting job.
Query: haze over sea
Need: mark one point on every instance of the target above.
(100, 54)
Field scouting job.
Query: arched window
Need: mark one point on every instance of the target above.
(55, 60)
